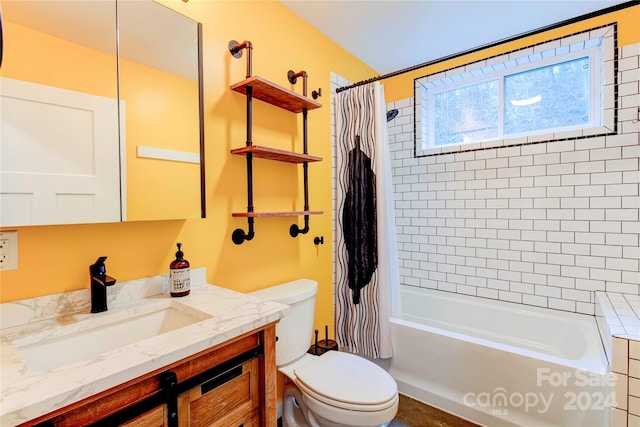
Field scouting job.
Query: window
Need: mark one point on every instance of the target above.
(552, 97)
(551, 89)
(467, 113)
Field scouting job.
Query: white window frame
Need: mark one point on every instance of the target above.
(596, 44)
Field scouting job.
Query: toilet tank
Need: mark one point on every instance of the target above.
(295, 329)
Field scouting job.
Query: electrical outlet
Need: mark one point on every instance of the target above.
(8, 250)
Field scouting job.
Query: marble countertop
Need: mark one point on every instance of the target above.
(27, 393)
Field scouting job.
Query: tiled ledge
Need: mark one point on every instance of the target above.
(618, 317)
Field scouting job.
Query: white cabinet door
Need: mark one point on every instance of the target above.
(59, 156)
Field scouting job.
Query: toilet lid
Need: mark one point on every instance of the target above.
(345, 377)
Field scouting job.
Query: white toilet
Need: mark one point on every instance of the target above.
(334, 389)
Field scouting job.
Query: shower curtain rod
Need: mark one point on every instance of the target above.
(590, 15)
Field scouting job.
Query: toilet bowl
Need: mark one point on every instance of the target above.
(330, 390)
(339, 389)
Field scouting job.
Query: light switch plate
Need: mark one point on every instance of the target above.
(8, 250)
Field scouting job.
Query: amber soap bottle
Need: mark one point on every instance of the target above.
(179, 275)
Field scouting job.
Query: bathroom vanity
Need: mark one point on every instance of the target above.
(204, 359)
(217, 387)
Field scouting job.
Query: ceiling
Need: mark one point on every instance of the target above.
(391, 35)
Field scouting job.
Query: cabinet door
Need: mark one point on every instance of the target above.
(53, 172)
(154, 418)
(226, 400)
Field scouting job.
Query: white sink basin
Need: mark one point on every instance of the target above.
(80, 342)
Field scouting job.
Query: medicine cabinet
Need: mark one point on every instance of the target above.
(102, 115)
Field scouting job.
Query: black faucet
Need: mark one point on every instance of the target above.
(99, 283)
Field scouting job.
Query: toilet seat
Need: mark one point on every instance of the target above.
(347, 381)
(344, 405)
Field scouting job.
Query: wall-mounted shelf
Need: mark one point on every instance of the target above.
(271, 93)
(268, 153)
(266, 91)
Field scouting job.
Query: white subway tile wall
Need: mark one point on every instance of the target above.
(634, 385)
(545, 224)
(620, 361)
(621, 391)
(634, 370)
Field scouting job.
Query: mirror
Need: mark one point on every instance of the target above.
(89, 135)
(161, 92)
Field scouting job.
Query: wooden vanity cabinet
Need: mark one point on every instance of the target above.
(232, 384)
(154, 418)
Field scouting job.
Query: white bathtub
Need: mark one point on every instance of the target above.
(498, 363)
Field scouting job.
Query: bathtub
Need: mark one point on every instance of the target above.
(498, 363)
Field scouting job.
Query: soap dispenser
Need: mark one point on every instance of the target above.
(179, 275)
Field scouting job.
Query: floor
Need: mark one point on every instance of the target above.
(416, 414)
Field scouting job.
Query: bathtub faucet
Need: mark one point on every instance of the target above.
(99, 283)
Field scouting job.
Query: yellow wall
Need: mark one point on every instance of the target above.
(401, 87)
(28, 53)
(56, 258)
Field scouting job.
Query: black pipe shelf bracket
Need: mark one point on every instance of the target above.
(266, 91)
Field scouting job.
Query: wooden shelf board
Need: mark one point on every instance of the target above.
(270, 214)
(274, 94)
(275, 154)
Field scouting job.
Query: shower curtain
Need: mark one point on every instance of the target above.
(367, 274)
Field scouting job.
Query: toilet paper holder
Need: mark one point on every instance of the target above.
(322, 346)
